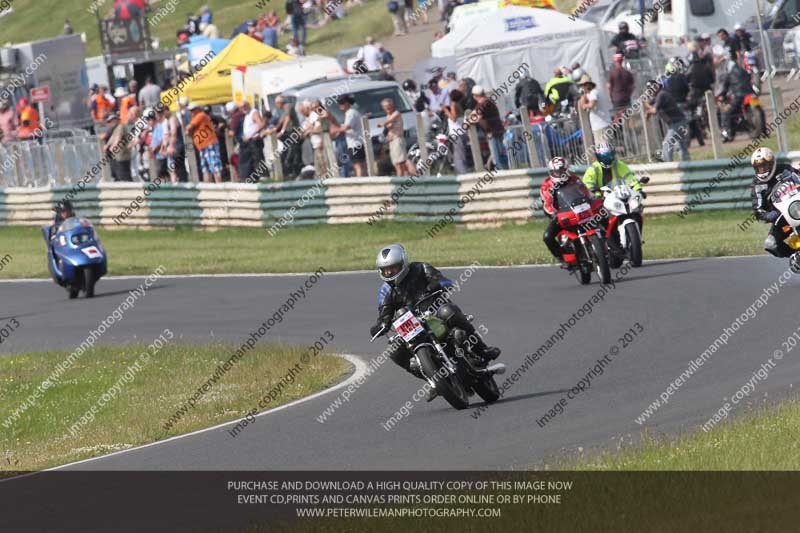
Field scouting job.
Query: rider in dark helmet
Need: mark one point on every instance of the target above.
(618, 42)
(406, 283)
(767, 174)
(64, 210)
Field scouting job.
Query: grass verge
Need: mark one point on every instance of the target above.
(33, 20)
(763, 439)
(353, 246)
(135, 415)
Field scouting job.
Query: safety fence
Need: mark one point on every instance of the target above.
(473, 199)
(52, 161)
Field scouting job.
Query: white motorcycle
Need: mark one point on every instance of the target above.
(785, 197)
(624, 206)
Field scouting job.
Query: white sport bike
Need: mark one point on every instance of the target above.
(624, 206)
(785, 198)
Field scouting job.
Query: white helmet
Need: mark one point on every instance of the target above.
(558, 170)
(763, 161)
(392, 263)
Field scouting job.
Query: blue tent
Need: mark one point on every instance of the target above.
(199, 47)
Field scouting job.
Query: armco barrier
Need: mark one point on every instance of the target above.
(505, 196)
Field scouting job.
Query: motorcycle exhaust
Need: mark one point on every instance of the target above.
(497, 368)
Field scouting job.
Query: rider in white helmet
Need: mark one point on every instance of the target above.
(405, 283)
(768, 173)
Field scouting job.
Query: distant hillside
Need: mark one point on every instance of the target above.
(35, 19)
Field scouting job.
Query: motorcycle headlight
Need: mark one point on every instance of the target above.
(794, 209)
(619, 206)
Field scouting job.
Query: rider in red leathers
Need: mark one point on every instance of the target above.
(558, 175)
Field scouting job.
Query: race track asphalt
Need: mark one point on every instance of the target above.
(683, 306)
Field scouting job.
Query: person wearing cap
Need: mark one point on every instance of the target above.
(201, 128)
(590, 101)
(118, 149)
(743, 38)
(487, 116)
(668, 110)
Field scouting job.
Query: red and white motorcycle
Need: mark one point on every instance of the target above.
(624, 206)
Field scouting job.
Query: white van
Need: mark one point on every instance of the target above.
(262, 83)
(679, 21)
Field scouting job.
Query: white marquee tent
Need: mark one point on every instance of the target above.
(490, 48)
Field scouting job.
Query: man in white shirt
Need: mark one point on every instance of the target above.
(371, 55)
(353, 134)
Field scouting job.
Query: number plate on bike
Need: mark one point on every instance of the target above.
(408, 326)
(580, 208)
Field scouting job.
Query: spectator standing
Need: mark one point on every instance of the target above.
(527, 93)
(743, 39)
(621, 84)
(677, 124)
(150, 95)
(133, 90)
(559, 87)
(353, 134)
(8, 122)
(492, 125)
(156, 119)
(289, 134)
(294, 8)
(387, 59)
(202, 130)
(176, 149)
(730, 45)
(590, 101)
(68, 30)
(395, 136)
(251, 149)
(251, 31)
(455, 123)
(269, 36)
(124, 103)
(30, 128)
(312, 129)
(101, 105)
(118, 149)
(371, 55)
(398, 10)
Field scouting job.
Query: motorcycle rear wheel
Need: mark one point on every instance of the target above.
(487, 389)
(449, 387)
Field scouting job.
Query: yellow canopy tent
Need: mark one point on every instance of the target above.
(212, 84)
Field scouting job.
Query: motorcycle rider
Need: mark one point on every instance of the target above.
(736, 81)
(618, 42)
(767, 174)
(405, 283)
(558, 175)
(64, 210)
(607, 169)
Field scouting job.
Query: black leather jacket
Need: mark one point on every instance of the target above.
(760, 191)
(422, 279)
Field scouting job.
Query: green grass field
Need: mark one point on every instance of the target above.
(45, 434)
(353, 246)
(32, 20)
(761, 439)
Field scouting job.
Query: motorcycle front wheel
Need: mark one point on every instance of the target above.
(487, 389)
(600, 259)
(634, 244)
(450, 387)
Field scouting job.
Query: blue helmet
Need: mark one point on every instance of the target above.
(605, 154)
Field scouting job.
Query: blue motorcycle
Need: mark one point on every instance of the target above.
(75, 257)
